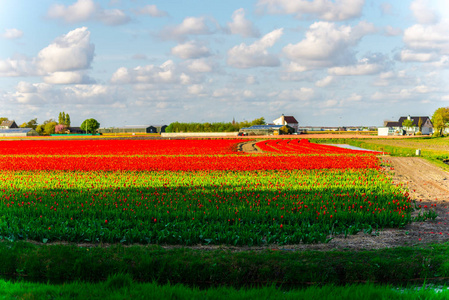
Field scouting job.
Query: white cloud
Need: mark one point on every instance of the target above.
(68, 78)
(113, 17)
(356, 70)
(87, 10)
(82, 10)
(325, 81)
(189, 26)
(326, 45)
(12, 34)
(255, 55)
(329, 103)
(248, 94)
(151, 10)
(190, 49)
(302, 94)
(242, 26)
(200, 66)
(150, 74)
(428, 37)
(295, 67)
(69, 52)
(16, 67)
(415, 93)
(423, 13)
(251, 80)
(329, 10)
(443, 62)
(60, 62)
(411, 56)
(195, 89)
(354, 97)
(32, 93)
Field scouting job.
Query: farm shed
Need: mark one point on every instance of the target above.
(17, 132)
(72, 130)
(265, 130)
(8, 124)
(134, 129)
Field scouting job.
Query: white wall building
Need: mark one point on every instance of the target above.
(287, 120)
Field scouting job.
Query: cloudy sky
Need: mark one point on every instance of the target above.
(326, 62)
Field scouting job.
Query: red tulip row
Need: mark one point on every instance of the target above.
(303, 146)
(118, 147)
(188, 163)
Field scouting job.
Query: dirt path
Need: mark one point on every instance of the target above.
(249, 147)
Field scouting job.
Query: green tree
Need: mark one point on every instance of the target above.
(407, 123)
(30, 124)
(49, 121)
(440, 120)
(90, 125)
(259, 121)
(40, 129)
(67, 120)
(49, 128)
(60, 119)
(420, 124)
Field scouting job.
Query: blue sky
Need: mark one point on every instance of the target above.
(326, 62)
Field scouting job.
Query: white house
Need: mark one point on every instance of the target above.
(287, 120)
(396, 128)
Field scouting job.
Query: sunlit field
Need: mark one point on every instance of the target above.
(188, 192)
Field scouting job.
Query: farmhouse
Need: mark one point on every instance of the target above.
(8, 124)
(287, 120)
(18, 132)
(396, 128)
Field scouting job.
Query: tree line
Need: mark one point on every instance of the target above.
(213, 127)
(61, 126)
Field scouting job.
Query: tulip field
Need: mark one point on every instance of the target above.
(185, 192)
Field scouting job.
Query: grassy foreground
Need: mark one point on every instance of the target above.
(57, 264)
(122, 287)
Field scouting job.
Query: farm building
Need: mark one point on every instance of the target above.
(287, 120)
(17, 132)
(134, 129)
(8, 124)
(265, 130)
(74, 130)
(396, 128)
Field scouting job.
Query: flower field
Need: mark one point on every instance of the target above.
(192, 192)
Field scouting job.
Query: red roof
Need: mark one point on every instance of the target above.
(290, 120)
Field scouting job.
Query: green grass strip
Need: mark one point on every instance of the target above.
(289, 269)
(123, 287)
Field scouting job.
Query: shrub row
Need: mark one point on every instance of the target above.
(289, 269)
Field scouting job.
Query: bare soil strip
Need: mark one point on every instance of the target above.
(249, 147)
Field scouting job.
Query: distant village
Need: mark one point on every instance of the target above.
(408, 125)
